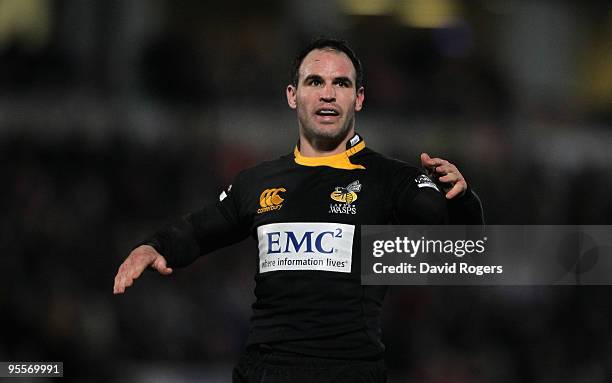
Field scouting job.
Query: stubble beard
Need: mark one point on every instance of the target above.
(326, 140)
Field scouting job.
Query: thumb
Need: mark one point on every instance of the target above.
(160, 265)
(425, 160)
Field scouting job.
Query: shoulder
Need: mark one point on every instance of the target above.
(261, 170)
(249, 183)
(386, 165)
(400, 176)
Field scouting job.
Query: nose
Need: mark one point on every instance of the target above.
(328, 93)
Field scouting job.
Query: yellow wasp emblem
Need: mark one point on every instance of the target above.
(346, 194)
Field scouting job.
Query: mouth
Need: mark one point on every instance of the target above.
(327, 114)
(327, 111)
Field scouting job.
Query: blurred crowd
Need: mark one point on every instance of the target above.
(73, 211)
(118, 117)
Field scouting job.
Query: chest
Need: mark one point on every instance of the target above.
(320, 195)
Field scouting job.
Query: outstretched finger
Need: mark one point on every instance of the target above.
(448, 178)
(425, 160)
(435, 165)
(118, 288)
(443, 169)
(457, 189)
(128, 271)
(429, 162)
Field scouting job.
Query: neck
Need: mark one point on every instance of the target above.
(321, 148)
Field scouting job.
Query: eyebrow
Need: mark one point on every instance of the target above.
(313, 77)
(335, 80)
(343, 79)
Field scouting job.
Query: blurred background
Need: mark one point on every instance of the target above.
(118, 116)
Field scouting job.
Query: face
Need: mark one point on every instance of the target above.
(325, 97)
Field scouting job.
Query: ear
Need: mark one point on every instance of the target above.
(359, 100)
(292, 96)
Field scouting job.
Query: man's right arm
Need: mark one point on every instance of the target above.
(196, 234)
(212, 227)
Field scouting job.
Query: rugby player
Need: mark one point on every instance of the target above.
(312, 319)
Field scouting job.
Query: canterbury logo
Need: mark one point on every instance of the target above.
(270, 200)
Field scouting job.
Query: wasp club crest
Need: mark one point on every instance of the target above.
(346, 195)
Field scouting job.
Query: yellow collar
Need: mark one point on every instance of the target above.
(338, 161)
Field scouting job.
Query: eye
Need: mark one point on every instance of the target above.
(316, 82)
(342, 84)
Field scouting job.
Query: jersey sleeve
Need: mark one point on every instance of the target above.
(214, 226)
(466, 210)
(416, 199)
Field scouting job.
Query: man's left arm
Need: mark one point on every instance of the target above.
(464, 206)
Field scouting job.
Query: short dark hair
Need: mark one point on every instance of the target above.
(328, 43)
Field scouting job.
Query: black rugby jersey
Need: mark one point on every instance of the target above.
(305, 213)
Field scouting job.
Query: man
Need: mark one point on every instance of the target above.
(312, 319)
